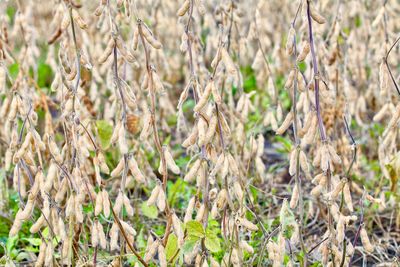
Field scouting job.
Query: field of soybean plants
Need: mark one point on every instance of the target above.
(200, 133)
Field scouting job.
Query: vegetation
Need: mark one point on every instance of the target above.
(199, 133)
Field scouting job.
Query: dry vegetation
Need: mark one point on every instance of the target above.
(199, 133)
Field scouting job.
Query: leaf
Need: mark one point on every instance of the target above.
(105, 131)
(11, 241)
(172, 246)
(33, 241)
(212, 243)
(393, 168)
(194, 228)
(149, 211)
(190, 243)
(45, 74)
(22, 256)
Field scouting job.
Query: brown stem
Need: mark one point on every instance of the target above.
(125, 236)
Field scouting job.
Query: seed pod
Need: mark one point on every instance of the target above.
(61, 191)
(286, 123)
(381, 113)
(102, 236)
(347, 197)
(222, 199)
(324, 154)
(106, 203)
(79, 20)
(383, 77)
(154, 195)
(232, 165)
(315, 15)
(114, 237)
(133, 167)
(184, 8)
(290, 79)
(124, 52)
(70, 208)
(295, 196)
(349, 249)
(340, 229)
(150, 38)
(365, 241)
(161, 199)
(336, 191)
(177, 226)
(290, 41)
(293, 162)
(235, 257)
(54, 150)
(193, 171)
(158, 85)
(95, 235)
(204, 97)
(216, 59)
(238, 191)
(189, 210)
(51, 176)
(202, 128)
(99, 204)
(151, 251)
(128, 207)
(123, 146)
(316, 191)
(191, 140)
(216, 95)
(161, 256)
(247, 224)
(61, 228)
(78, 211)
(201, 175)
(230, 67)
(107, 52)
(245, 246)
(304, 52)
(26, 213)
(37, 225)
(119, 201)
(200, 213)
(150, 241)
(170, 162)
(135, 39)
(42, 254)
(119, 168)
(48, 260)
(15, 227)
(200, 7)
(218, 165)
(333, 155)
(128, 229)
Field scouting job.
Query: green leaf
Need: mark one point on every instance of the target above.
(45, 75)
(212, 243)
(33, 241)
(22, 256)
(172, 246)
(11, 241)
(149, 211)
(105, 131)
(194, 228)
(393, 168)
(13, 70)
(190, 243)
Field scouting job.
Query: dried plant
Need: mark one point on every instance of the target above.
(199, 133)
